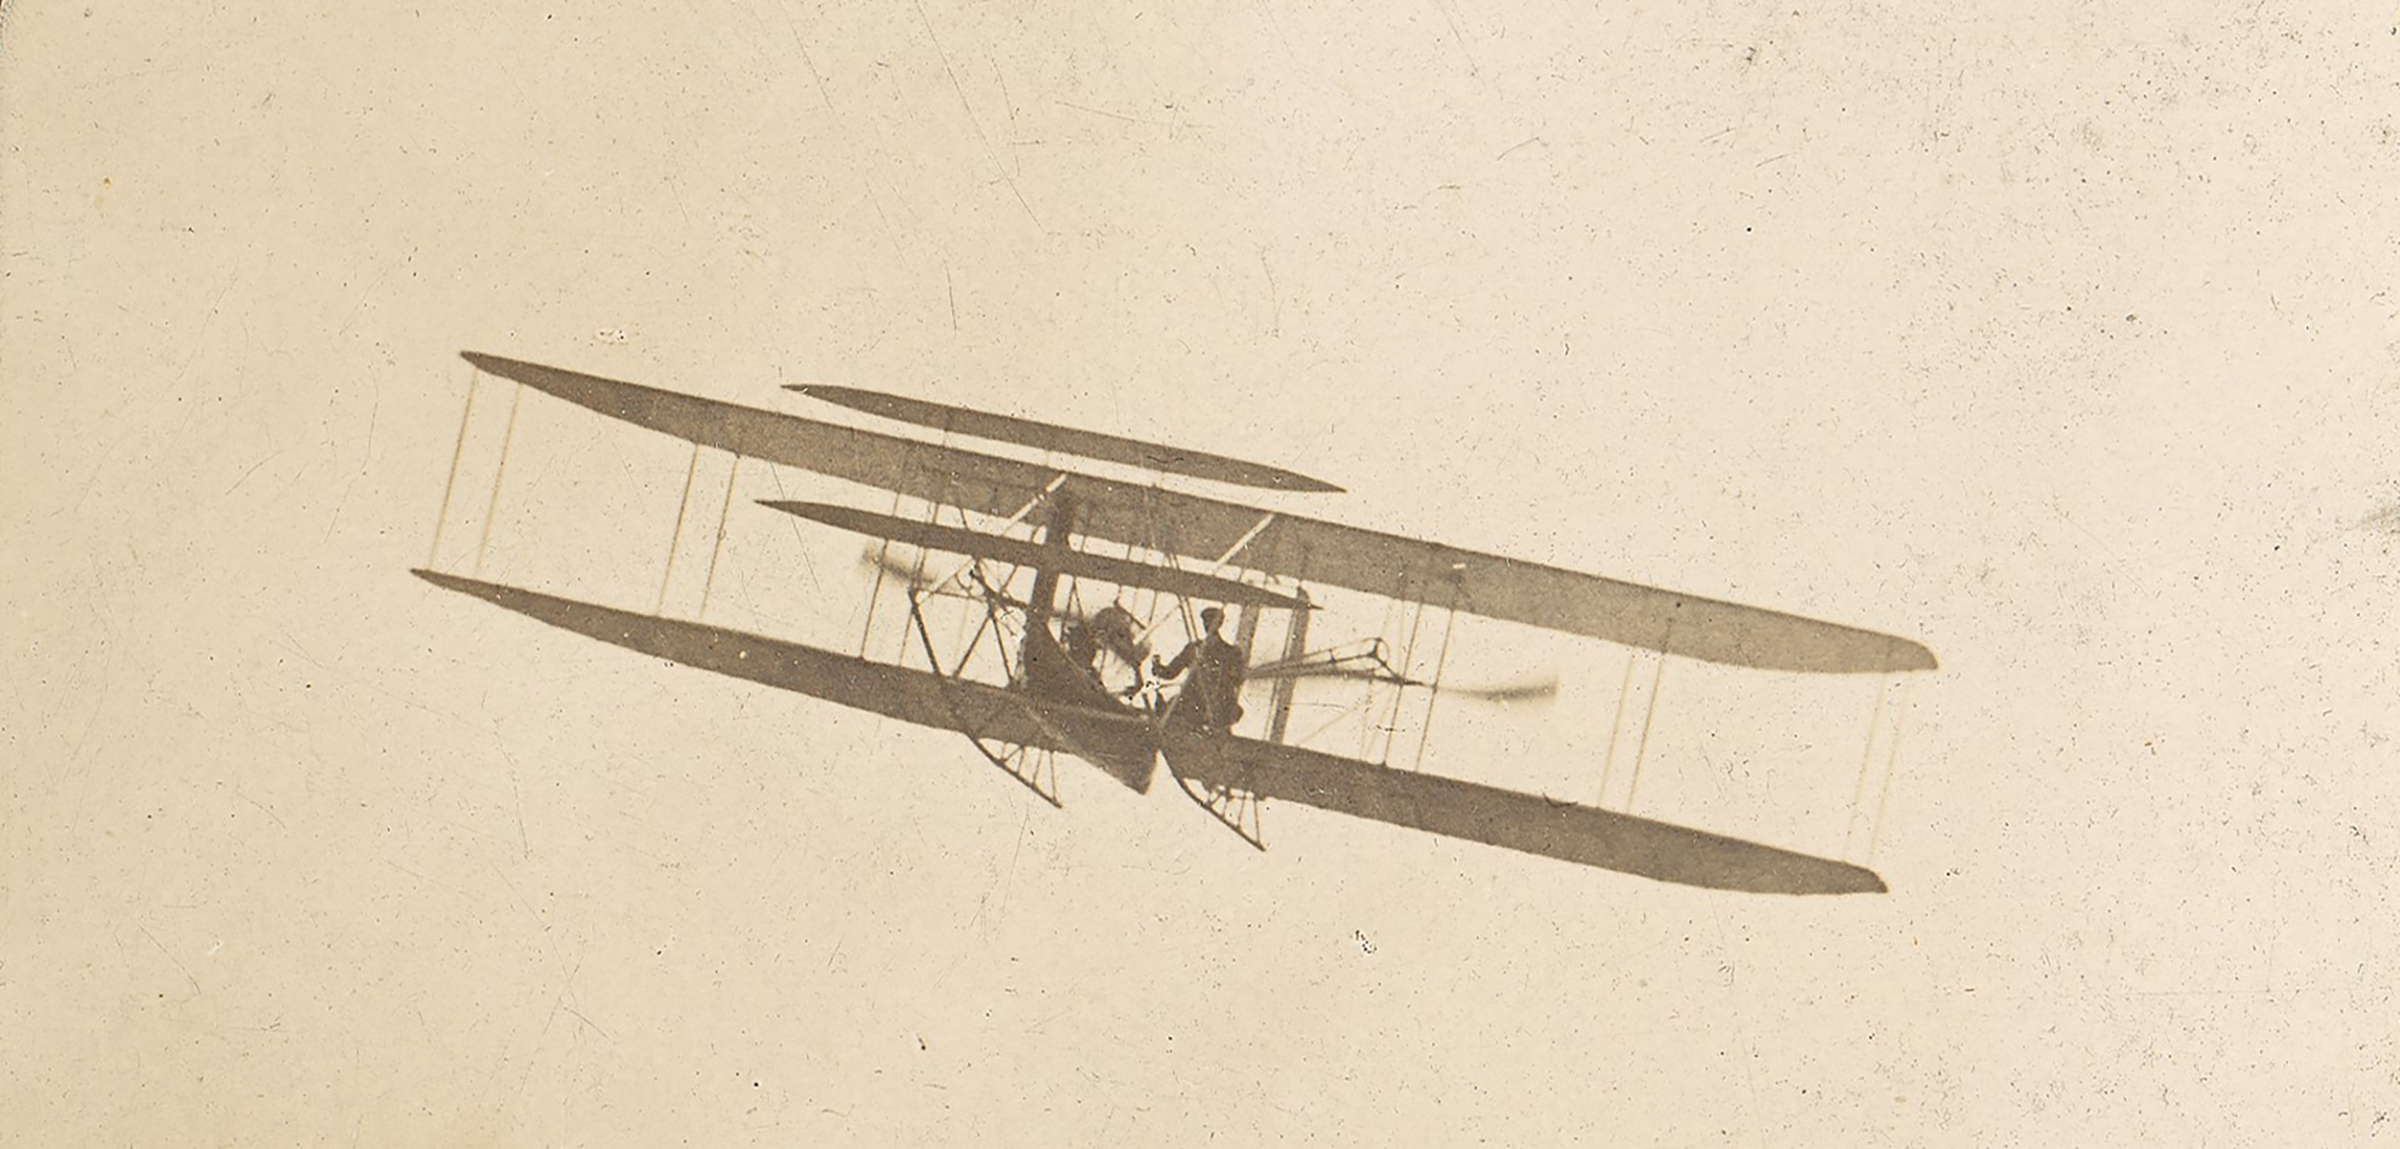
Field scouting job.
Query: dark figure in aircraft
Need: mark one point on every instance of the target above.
(1213, 697)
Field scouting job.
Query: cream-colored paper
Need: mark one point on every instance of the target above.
(2058, 338)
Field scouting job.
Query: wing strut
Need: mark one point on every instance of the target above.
(883, 555)
(723, 509)
(492, 507)
(474, 375)
(1408, 662)
(683, 506)
(1264, 521)
(1866, 762)
(1866, 765)
(1608, 763)
(1643, 747)
(1891, 767)
(1295, 646)
(1441, 662)
(1056, 481)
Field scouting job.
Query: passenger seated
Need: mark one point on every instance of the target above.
(1115, 630)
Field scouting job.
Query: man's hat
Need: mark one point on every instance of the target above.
(1211, 616)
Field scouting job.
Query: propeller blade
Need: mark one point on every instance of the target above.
(1538, 690)
(1530, 690)
(906, 571)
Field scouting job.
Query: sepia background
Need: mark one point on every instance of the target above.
(2061, 338)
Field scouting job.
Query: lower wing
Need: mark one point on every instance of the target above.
(1585, 835)
(1120, 747)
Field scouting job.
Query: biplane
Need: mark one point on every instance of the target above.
(1034, 593)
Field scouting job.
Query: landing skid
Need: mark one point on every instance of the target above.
(1236, 806)
(1034, 767)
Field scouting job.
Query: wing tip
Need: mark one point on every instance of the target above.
(455, 582)
(802, 508)
(1878, 654)
(827, 392)
(1791, 875)
(1906, 657)
(1783, 872)
(1920, 657)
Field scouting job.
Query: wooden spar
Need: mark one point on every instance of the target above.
(1245, 629)
(1295, 647)
(1056, 528)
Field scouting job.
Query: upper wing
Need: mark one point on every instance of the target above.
(1585, 835)
(1309, 550)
